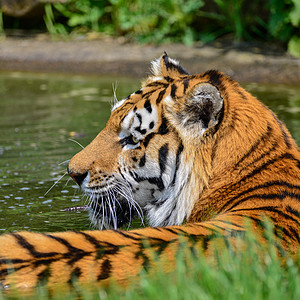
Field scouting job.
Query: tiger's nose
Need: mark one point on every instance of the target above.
(78, 178)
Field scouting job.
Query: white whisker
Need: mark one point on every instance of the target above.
(114, 87)
(68, 181)
(64, 162)
(72, 140)
(55, 183)
(105, 202)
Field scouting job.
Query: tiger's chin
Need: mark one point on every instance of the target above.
(111, 211)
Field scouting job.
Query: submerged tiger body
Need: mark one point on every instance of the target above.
(194, 149)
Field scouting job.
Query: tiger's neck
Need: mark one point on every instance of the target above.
(259, 179)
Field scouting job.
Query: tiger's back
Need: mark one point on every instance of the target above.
(195, 148)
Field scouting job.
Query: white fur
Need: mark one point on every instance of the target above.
(155, 67)
(131, 121)
(118, 104)
(157, 78)
(173, 61)
(179, 196)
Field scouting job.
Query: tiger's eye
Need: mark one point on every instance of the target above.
(135, 140)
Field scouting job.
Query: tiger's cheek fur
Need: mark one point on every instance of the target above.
(150, 170)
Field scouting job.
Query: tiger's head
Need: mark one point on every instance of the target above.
(157, 152)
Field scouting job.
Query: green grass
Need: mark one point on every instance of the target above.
(256, 273)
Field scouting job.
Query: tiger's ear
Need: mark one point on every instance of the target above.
(197, 112)
(167, 67)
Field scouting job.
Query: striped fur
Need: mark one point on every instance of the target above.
(184, 148)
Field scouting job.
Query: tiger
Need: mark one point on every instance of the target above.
(196, 155)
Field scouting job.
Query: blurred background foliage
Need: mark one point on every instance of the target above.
(187, 21)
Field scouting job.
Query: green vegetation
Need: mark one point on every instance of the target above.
(187, 21)
(257, 273)
(184, 21)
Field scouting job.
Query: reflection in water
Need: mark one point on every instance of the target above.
(44, 120)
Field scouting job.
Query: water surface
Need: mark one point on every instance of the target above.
(40, 118)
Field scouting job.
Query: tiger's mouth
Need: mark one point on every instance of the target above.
(111, 209)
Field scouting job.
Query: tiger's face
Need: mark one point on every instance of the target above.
(142, 161)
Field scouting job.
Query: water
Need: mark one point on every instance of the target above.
(42, 115)
(38, 116)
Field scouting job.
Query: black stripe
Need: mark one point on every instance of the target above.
(43, 276)
(126, 103)
(89, 238)
(148, 106)
(141, 131)
(293, 211)
(141, 255)
(272, 209)
(157, 229)
(295, 234)
(63, 242)
(267, 164)
(186, 83)
(6, 270)
(146, 95)
(157, 181)
(288, 232)
(126, 235)
(74, 254)
(170, 65)
(181, 70)
(142, 161)
(262, 224)
(219, 226)
(285, 194)
(104, 248)
(13, 261)
(166, 59)
(160, 96)
(263, 155)
(162, 157)
(153, 180)
(214, 77)
(47, 261)
(163, 129)
(205, 226)
(173, 90)
(157, 83)
(105, 270)
(230, 223)
(263, 139)
(169, 79)
(139, 117)
(173, 231)
(261, 186)
(179, 151)
(76, 273)
(258, 221)
(147, 139)
(26, 245)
